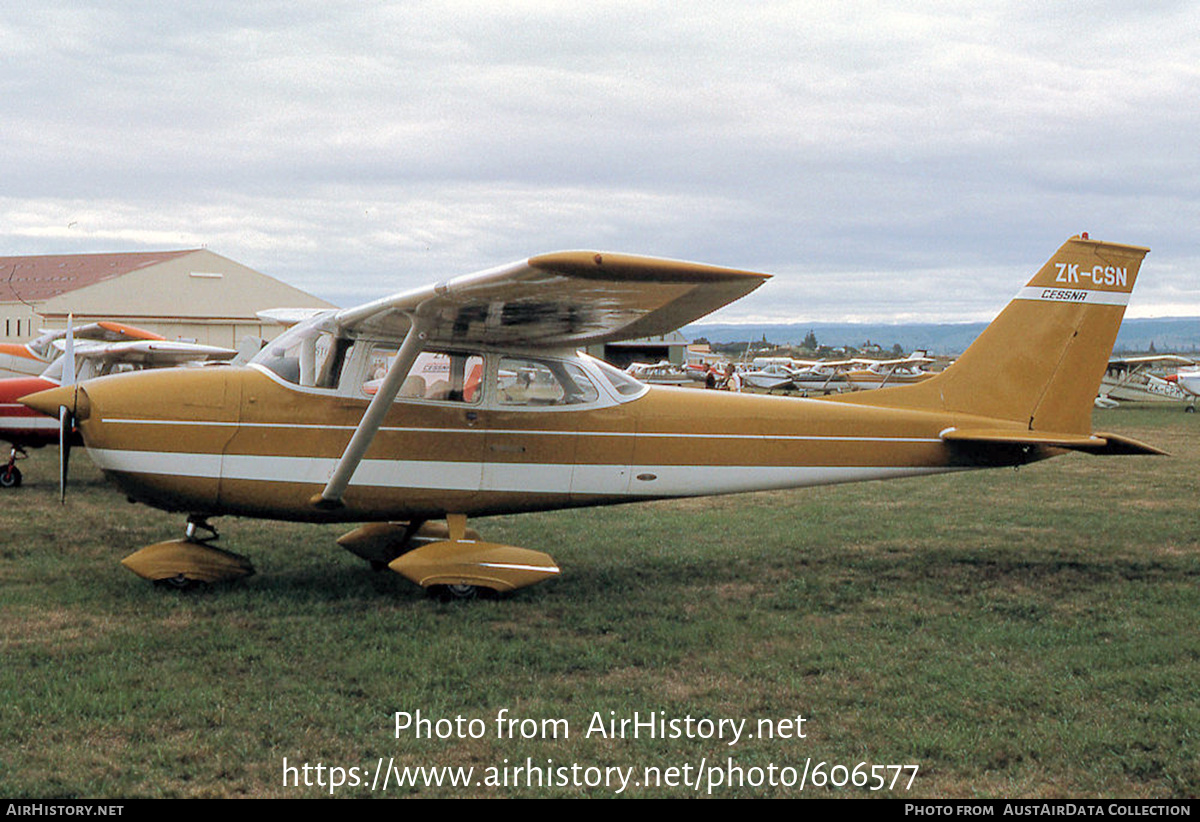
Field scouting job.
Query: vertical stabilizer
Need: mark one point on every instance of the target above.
(1041, 361)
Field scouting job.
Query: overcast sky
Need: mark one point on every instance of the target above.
(886, 161)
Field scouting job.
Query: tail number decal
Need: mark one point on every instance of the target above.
(1099, 275)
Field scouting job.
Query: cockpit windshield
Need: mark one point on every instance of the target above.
(306, 356)
(621, 382)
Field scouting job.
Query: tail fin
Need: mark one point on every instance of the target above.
(1041, 361)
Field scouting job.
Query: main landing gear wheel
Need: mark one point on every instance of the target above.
(457, 593)
(179, 582)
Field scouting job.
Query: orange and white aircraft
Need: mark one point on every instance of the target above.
(32, 358)
(294, 436)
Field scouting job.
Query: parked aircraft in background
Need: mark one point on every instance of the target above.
(822, 378)
(31, 359)
(22, 427)
(294, 436)
(770, 377)
(866, 374)
(1128, 379)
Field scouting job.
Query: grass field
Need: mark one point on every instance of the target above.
(1022, 633)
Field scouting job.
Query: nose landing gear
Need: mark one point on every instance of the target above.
(10, 475)
(185, 563)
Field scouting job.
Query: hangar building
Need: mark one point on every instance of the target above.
(670, 347)
(192, 295)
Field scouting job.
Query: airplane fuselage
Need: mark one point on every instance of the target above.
(19, 424)
(243, 441)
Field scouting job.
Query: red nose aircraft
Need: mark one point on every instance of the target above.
(485, 408)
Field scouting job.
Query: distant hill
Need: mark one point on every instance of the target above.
(1169, 334)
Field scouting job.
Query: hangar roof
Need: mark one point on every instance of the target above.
(29, 279)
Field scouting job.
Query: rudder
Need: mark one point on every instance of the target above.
(1041, 360)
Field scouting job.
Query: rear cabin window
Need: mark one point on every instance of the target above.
(440, 376)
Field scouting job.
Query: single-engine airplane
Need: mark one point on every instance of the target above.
(1129, 379)
(873, 374)
(294, 436)
(22, 427)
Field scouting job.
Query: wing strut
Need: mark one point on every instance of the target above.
(363, 436)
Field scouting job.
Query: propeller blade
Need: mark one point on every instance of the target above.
(68, 370)
(66, 423)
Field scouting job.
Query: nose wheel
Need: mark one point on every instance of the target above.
(185, 563)
(456, 593)
(179, 582)
(10, 475)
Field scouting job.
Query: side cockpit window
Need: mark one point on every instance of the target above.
(529, 382)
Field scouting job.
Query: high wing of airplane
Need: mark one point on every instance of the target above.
(295, 436)
(31, 358)
(1129, 379)
(22, 427)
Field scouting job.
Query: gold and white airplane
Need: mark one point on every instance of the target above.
(515, 421)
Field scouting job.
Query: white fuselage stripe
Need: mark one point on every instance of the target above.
(38, 423)
(541, 478)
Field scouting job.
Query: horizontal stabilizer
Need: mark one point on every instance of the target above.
(1097, 443)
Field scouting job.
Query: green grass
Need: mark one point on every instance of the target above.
(1028, 633)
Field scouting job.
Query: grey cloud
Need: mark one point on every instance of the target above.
(351, 148)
